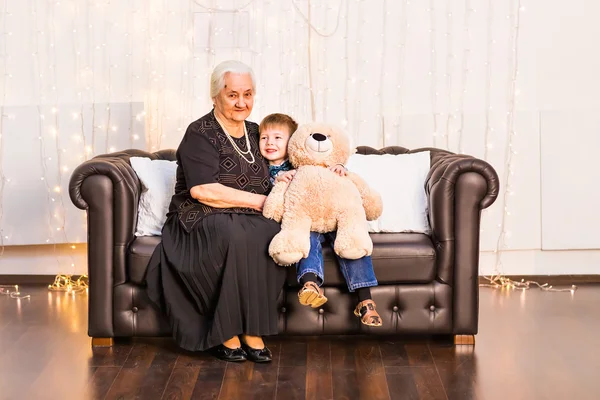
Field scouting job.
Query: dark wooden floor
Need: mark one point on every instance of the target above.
(531, 345)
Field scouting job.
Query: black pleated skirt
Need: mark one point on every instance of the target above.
(217, 281)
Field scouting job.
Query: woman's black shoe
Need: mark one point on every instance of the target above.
(226, 354)
(257, 355)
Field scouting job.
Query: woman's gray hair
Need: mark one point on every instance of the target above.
(217, 78)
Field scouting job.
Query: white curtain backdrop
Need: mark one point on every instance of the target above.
(85, 77)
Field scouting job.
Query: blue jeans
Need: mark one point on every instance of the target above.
(358, 273)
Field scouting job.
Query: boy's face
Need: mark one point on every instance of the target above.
(273, 143)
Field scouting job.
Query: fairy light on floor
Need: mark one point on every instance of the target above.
(66, 283)
(13, 292)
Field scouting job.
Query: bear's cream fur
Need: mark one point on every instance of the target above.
(318, 199)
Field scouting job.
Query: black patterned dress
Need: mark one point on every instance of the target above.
(211, 274)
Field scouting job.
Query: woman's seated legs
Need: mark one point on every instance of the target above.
(233, 343)
(255, 342)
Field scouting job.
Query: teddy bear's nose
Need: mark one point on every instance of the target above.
(319, 137)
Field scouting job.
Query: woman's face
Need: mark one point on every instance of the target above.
(236, 99)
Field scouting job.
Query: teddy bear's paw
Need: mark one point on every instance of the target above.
(272, 213)
(353, 253)
(289, 246)
(287, 259)
(353, 245)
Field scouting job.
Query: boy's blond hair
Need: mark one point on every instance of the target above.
(278, 120)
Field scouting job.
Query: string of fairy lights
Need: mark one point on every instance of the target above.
(448, 74)
(465, 72)
(498, 279)
(321, 77)
(5, 75)
(383, 73)
(402, 34)
(433, 72)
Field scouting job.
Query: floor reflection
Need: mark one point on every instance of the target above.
(530, 345)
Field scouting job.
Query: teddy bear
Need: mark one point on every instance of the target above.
(320, 200)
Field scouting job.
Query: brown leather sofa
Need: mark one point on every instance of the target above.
(427, 284)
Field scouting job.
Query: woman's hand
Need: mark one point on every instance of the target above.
(286, 176)
(339, 169)
(221, 196)
(260, 202)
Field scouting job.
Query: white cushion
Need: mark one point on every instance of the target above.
(400, 180)
(158, 180)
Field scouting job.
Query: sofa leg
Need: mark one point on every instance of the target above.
(102, 342)
(464, 339)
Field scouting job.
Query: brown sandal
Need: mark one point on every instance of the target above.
(366, 311)
(311, 295)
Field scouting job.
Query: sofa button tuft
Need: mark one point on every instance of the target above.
(395, 308)
(321, 311)
(432, 308)
(283, 309)
(135, 309)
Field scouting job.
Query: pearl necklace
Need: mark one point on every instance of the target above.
(241, 153)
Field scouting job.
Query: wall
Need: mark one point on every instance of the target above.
(511, 82)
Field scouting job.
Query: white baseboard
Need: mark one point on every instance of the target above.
(45, 260)
(539, 262)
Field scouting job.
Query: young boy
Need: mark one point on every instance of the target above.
(275, 131)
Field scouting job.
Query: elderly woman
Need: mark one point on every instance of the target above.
(211, 274)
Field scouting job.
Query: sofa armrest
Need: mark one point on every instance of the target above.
(113, 193)
(108, 188)
(458, 188)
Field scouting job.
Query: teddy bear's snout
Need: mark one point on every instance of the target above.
(319, 137)
(320, 144)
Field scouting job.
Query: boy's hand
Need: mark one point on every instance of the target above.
(286, 176)
(339, 169)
